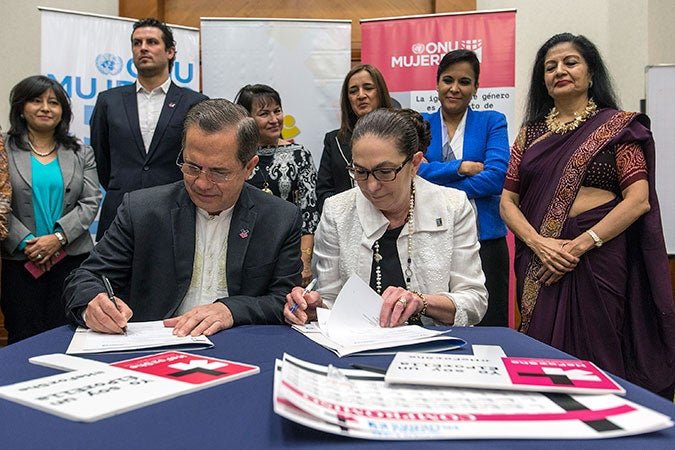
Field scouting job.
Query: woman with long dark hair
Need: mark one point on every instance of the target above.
(363, 90)
(55, 198)
(591, 265)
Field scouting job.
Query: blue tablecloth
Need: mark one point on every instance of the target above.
(239, 414)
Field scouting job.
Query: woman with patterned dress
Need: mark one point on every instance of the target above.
(591, 266)
(285, 169)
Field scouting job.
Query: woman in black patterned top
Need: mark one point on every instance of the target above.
(285, 169)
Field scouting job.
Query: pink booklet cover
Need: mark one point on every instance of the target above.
(189, 368)
(493, 371)
(36, 271)
(559, 373)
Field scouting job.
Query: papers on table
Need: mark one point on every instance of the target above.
(493, 371)
(140, 336)
(352, 326)
(95, 390)
(359, 404)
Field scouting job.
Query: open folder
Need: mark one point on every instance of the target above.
(140, 336)
(352, 327)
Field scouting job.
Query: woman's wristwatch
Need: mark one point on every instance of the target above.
(61, 238)
(596, 239)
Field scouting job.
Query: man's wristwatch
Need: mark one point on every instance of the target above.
(61, 238)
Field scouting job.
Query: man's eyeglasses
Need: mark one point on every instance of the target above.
(382, 174)
(193, 171)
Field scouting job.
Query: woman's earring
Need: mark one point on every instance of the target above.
(590, 84)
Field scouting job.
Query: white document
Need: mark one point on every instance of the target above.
(140, 336)
(353, 326)
(365, 407)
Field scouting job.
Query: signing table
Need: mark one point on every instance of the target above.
(240, 415)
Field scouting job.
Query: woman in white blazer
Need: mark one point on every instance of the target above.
(416, 243)
(55, 197)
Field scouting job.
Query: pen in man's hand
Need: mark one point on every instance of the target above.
(111, 295)
(308, 289)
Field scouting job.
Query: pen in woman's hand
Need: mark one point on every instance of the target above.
(111, 295)
(308, 289)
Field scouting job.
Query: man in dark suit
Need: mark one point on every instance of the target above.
(135, 129)
(209, 253)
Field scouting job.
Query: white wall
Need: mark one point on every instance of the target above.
(661, 38)
(629, 35)
(20, 39)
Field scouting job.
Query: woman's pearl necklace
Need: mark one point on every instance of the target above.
(376, 248)
(39, 153)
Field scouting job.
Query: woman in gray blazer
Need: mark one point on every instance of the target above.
(55, 197)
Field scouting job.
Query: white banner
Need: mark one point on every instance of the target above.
(88, 54)
(304, 60)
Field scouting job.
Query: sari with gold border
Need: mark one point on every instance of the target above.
(616, 307)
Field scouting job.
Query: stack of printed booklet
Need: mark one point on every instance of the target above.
(481, 396)
(426, 395)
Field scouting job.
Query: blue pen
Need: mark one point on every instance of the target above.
(307, 290)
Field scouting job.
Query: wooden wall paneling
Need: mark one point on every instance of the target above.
(142, 9)
(441, 6)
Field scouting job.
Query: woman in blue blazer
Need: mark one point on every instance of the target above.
(469, 151)
(55, 197)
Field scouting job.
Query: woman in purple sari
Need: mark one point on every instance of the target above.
(591, 266)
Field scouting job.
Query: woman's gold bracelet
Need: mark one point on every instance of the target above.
(423, 311)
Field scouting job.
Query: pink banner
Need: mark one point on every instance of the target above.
(407, 51)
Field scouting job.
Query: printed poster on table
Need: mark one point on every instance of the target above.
(407, 52)
(358, 404)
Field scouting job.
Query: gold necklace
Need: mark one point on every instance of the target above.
(554, 126)
(39, 153)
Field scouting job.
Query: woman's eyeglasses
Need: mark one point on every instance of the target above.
(383, 174)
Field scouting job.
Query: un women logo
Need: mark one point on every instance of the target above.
(109, 64)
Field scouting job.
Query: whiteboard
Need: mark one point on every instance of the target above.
(660, 103)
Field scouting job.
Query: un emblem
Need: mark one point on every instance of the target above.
(109, 64)
(418, 48)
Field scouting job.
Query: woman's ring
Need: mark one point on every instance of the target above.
(39, 256)
(403, 301)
